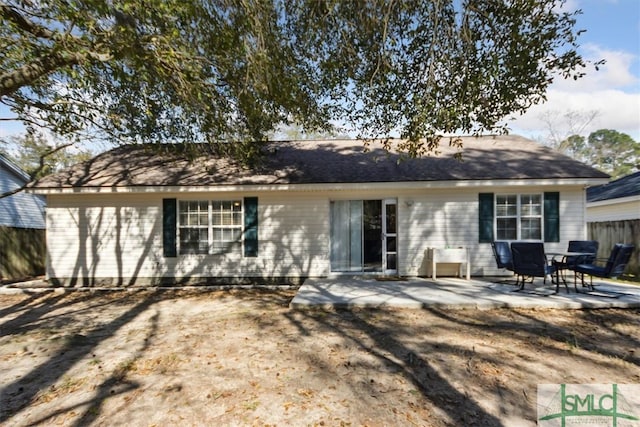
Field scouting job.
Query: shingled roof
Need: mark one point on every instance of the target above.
(626, 186)
(322, 162)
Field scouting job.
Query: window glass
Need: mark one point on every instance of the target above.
(193, 240)
(210, 227)
(507, 228)
(519, 217)
(530, 205)
(507, 205)
(530, 229)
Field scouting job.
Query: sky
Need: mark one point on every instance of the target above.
(612, 94)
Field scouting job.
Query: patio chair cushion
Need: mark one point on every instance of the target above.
(586, 246)
(529, 259)
(615, 265)
(502, 254)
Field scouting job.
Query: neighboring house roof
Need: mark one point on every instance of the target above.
(324, 162)
(626, 186)
(20, 210)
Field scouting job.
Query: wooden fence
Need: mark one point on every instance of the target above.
(609, 233)
(22, 253)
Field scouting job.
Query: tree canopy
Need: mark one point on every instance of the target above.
(37, 156)
(229, 72)
(613, 152)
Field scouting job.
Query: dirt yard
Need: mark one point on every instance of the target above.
(244, 358)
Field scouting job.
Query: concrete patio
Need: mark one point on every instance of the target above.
(456, 293)
(446, 292)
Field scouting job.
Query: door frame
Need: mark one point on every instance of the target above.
(386, 234)
(384, 202)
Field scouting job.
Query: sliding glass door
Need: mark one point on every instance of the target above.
(346, 235)
(363, 236)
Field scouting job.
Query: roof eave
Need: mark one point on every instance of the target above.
(15, 169)
(320, 186)
(615, 200)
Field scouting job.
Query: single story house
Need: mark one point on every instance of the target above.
(22, 223)
(309, 209)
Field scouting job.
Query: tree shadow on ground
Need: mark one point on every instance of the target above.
(598, 335)
(21, 392)
(417, 353)
(381, 342)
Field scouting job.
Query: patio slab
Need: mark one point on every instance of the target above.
(455, 293)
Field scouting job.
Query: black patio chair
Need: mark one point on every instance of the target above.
(612, 268)
(529, 260)
(502, 254)
(570, 262)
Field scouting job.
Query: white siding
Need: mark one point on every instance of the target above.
(613, 211)
(450, 218)
(104, 236)
(120, 235)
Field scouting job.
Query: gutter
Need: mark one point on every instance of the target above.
(402, 185)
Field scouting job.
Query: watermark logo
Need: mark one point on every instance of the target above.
(611, 405)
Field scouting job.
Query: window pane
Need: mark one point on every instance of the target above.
(226, 247)
(533, 199)
(237, 218)
(530, 205)
(193, 213)
(391, 262)
(184, 218)
(193, 241)
(391, 244)
(507, 228)
(531, 229)
(391, 218)
(507, 205)
(227, 213)
(216, 218)
(227, 218)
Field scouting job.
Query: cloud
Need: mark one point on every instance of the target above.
(568, 6)
(615, 110)
(615, 73)
(613, 91)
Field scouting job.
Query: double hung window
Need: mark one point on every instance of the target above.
(519, 217)
(210, 226)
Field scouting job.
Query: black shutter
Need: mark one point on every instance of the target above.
(485, 211)
(552, 217)
(251, 226)
(169, 217)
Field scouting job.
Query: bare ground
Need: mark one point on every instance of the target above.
(244, 358)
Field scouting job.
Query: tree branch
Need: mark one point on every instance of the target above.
(12, 15)
(38, 169)
(11, 81)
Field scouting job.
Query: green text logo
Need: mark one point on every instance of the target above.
(588, 404)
